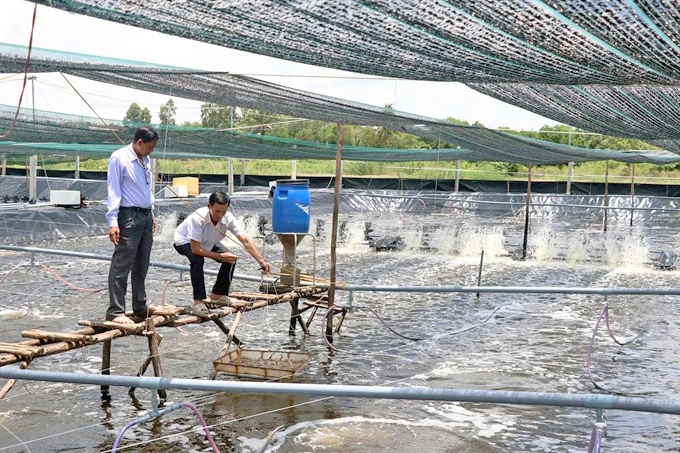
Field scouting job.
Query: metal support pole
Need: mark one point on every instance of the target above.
(33, 179)
(585, 400)
(632, 193)
(606, 195)
(570, 175)
(230, 176)
(32, 79)
(76, 173)
(456, 183)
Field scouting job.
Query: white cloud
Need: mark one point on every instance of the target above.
(59, 30)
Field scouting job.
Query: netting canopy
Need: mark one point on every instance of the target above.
(611, 67)
(47, 132)
(471, 142)
(566, 42)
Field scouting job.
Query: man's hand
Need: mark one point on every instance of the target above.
(228, 257)
(265, 267)
(114, 234)
(153, 227)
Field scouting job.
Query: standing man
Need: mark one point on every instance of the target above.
(131, 224)
(198, 237)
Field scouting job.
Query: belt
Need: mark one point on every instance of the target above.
(135, 208)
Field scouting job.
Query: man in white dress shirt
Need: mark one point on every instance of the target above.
(131, 223)
(198, 237)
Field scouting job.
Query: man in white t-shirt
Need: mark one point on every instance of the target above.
(198, 237)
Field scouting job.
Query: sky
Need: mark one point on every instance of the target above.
(60, 30)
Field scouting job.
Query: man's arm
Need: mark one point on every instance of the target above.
(225, 257)
(113, 177)
(250, 246)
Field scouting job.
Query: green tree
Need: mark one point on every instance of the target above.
(167, 113)
(217, 116)
(136, 114)
(260, 122)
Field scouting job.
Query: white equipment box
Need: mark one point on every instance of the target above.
(65, 197)
(179, 191)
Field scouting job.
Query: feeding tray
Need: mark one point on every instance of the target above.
(262, 363)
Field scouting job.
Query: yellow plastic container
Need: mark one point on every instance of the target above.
(190, 182)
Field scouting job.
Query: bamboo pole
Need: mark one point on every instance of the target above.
(526, 214)
(10, 383)
(230, 337)
(334, 234)
(154, 353)
(106, 365)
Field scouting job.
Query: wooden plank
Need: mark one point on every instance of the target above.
(22, 350)
(55, 336)
(126, 328)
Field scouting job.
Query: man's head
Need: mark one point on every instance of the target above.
(218, 203)
(145, 141)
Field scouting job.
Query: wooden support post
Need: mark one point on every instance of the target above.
(311, 316)
(143, 368)
(526, 214)
(154, 341)
(230, 337)
(294, 315)
(106, 366)
(225, 329)
(343, 313)
(334, 232)
(10, 383)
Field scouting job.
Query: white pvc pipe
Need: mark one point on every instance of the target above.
(587, 400)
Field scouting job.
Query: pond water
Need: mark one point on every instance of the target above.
(494, 341)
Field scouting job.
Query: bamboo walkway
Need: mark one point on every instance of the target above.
(43, 343)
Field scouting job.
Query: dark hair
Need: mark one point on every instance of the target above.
(146, 134)
(219, 197)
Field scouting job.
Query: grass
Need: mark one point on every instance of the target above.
(492, 171)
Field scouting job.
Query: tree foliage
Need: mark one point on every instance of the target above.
(167, 113)
(217, 116)
(136, 114)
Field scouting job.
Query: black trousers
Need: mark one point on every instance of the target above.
(224, 275)
(132, 254)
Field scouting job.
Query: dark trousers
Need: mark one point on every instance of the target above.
(224, 275)
(132, 254)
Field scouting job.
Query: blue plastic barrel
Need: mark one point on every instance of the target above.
(290, 213)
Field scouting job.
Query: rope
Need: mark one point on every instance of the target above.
(16, 437)
(67, 283)
(23, 87)
(156, 414)
(434, 337)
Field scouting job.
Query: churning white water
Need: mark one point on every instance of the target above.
(494, 341)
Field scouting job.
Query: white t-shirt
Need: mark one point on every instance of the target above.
(198, 227)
